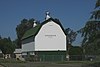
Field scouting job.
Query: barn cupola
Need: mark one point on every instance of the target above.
(35, 23)
(47, 15)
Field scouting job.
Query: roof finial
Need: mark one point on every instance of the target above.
(35, 24)
(47, 15)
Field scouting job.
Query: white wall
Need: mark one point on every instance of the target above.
(28, 47)
(50, 37)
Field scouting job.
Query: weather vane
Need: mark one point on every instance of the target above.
(47, 15)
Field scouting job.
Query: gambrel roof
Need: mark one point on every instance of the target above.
(33, 31)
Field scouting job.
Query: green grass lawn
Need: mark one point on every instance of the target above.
(11, 61)
(18, 63)
(3, 62)
(76, 62)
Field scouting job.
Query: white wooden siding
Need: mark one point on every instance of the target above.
(28, 47)
(50, 37)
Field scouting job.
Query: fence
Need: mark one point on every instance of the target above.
(75, 57)
(84, 57)
(52, 58)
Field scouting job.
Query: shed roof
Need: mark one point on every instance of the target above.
(31, 32)
(18, 51)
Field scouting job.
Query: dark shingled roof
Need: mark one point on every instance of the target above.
(33, 31)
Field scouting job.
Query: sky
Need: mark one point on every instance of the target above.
(71, 13)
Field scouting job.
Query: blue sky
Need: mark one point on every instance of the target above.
(71, 13)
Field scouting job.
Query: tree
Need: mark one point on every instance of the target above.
(0, 37)
(91, 32)
(75, 50)
(22, 28)
(71, 36)
(75, 53)
(6, 46)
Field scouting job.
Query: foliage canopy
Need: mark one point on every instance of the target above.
(91, 32)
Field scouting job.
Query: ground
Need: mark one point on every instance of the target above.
(18, 63)
(40, 64)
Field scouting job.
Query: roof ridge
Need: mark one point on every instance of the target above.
(33, 31)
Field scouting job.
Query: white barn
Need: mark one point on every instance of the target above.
(46, 39)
